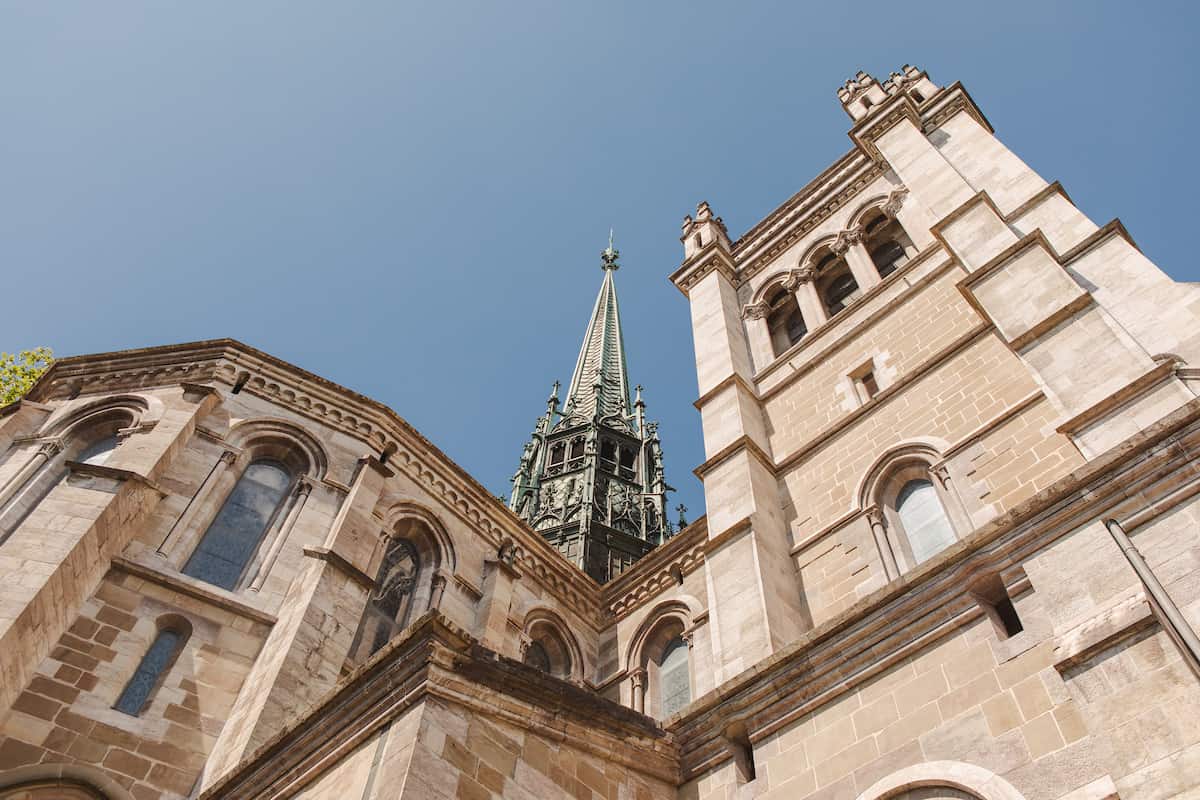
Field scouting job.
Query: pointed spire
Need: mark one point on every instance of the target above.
(600, 385)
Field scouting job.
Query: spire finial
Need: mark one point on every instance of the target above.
(609, 256)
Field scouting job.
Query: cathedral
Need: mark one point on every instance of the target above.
(951, 548)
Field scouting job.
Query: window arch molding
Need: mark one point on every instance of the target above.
(866, 209)
(408, 570)
(142, 411)
(967, 778)
(142, 695)
(545, 626)
(809, 258)
(73, 781)
(665, 635)
(912, 482)
(282, 441)
(271, 446)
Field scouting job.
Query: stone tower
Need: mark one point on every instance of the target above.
(591, 477)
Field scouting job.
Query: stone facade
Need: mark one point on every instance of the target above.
(950, 428)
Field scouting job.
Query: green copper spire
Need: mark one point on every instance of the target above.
(590, 479)
(601, 362)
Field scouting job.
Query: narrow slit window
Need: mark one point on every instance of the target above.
(869, 385)
(150, 672)
(1007, 613)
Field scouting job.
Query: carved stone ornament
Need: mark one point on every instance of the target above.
(755, 310)
(894, 202)
(845, 239)
(799, 276)
(50, 448)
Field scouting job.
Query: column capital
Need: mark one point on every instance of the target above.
(799, 276)
(876, 517)
(227, 457)
(755, 310)
(50, 448)
(638, 677)
(895, 201)
(846, 238)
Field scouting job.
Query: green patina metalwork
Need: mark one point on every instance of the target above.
(590, 478)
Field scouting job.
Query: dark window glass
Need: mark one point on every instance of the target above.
(785, 325)
(557, 453)
(841, 291)
(149, 672)
(537, 657)
(674, 678)
(388, 605)
(577, 449)
(888, 257)
(234, 536)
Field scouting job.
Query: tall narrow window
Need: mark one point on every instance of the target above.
(785, 324)
(390, 601)
(675, 683)
(239, 527)
(151, 671)
(924, 521)
(840, 291)
(888, 244)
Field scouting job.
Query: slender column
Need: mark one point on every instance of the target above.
(188, 518)
(303, 489)
(39, 459)
(638, 678)
(803, 282)
(850, 246)
(761, 349)
(879, 531)
(438, 589)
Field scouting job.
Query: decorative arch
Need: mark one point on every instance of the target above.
(823, 243)
(543, 623)
(977, 781)
(142, 410)
(683, 609)
(776, 279)
(282, 440)
(925, 449)
(396, 510)
(61, 782)
(864, 209)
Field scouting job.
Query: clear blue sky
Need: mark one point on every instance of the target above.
(411, 201)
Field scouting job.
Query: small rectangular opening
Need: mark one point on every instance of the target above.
(743, 752)
(993, 597)
(869, 385)
(866, 385)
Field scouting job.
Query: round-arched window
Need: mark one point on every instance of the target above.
(924, 520)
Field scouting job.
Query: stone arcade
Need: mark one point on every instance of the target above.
(951, 548)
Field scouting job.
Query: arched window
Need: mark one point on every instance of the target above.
(785, 324)
(537, 657)
(674, 677)
(239, 527)
(547, 649)
(923, 520)
(889, 246)
(98, 452)
(389, 605)
(839, 289)
(153, 667)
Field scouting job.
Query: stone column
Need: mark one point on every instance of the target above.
(803, 282)
(850, 245)
(879, 531)
(31, 468)
(761, 349)
(183, 527)
(438, 589)
(300, 495)
(638, 680)
(491, 617)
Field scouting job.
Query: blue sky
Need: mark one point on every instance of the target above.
(411, 200)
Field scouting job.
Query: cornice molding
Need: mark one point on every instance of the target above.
(653, 574)
(931, 602)
(434, 659)
(378, 427)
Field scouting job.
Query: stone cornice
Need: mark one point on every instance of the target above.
(652, 574)
(931, 602)
(712, 258)
(435, 659)
(145, 569)
(222, 361)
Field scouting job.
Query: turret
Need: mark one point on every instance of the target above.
(702, 231)
(862, 94)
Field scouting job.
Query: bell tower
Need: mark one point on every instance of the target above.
(590, 479)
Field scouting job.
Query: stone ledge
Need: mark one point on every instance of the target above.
(1119, 621)
(191, 587)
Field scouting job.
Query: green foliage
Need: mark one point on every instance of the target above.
(18, 372)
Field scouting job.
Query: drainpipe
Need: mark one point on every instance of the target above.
(1169, 615)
